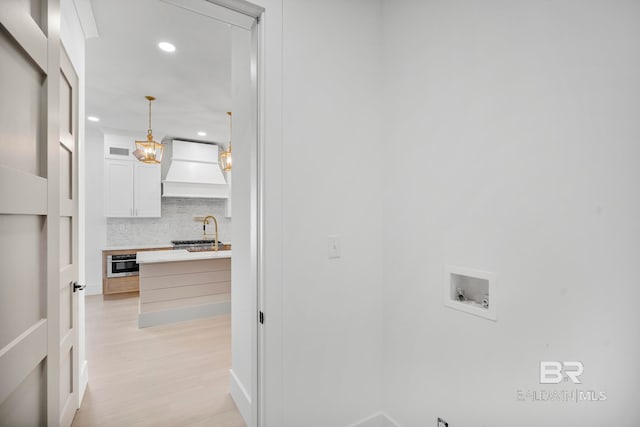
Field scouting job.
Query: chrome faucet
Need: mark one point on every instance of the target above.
(204, 229)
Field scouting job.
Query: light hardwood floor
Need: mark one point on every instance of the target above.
(170, 375)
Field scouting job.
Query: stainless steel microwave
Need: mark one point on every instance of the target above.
(122, 265)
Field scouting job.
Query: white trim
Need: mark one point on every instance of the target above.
(240, 6)
(84, 381)
(210, 9)
(173, 315)
(379, 419)
(256, 225)
(240, 397)
(87, 19)
(270, 388)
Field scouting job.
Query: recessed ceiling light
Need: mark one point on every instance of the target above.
(93, 119)
(202, 134)
(167, 47)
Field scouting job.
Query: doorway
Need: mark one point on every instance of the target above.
(244, 370)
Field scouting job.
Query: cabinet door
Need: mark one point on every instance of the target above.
(147, 190)
(118, 188)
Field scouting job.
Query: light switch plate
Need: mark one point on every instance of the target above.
(334, 246)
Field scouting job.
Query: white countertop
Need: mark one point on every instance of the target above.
(130, 247)
(151, 257)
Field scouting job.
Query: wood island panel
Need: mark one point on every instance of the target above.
(182, 290)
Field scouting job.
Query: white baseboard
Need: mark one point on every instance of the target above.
(84, 380)
(379, 419)
(173, 315)
(240, 397)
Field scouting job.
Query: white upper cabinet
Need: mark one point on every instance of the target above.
(132, 188)
(147, 190)
(118, 188)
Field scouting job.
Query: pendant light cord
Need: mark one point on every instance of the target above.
(230, 129)
(149, 132)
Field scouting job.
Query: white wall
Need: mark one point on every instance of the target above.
(331, 185)
(516, 131)
(96, 223)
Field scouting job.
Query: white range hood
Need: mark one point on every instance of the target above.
(192, 170)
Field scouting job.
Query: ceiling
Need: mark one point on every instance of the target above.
(192, 85)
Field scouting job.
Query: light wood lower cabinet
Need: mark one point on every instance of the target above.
(120, 285)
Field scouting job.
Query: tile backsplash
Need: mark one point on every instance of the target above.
(176, 223)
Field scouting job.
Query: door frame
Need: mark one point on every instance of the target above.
(256, 27)
(251, 17)
(267, 378)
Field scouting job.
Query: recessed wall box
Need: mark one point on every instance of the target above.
(471, 291)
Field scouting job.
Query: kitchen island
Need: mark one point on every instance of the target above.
(181, 285)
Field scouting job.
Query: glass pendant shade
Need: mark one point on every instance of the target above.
(149, 151)
(226, 160)
(225, 156)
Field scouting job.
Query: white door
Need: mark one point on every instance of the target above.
(118, 188)
(38, 220)
(69, 287)
(147, 190)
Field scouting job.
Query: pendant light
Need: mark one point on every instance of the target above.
(149, 151)
(225, 156)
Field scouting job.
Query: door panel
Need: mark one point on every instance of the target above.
(68, 297)
(26, 405)
(38, 13)
(66, 249)
(21, 108)
(29, 220)
(66, 107)
(66, 172)
(22, 292)
(66, 375)
(66, 316)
